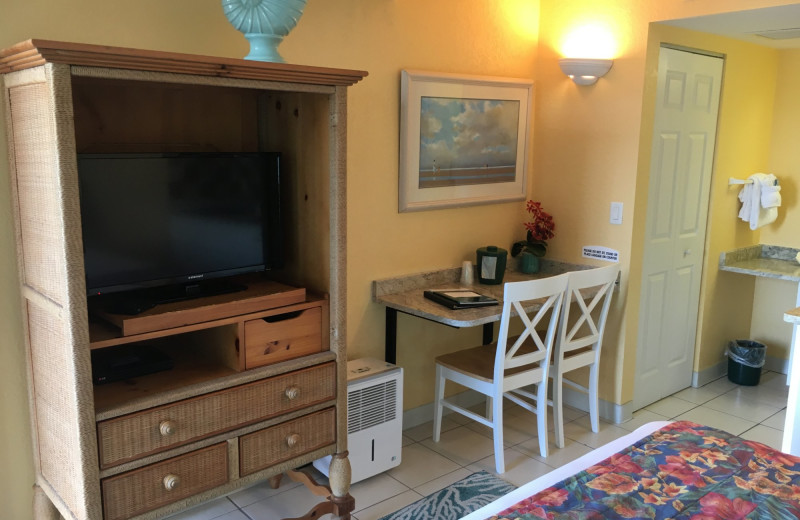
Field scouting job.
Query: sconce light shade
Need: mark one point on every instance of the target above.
(585, 71)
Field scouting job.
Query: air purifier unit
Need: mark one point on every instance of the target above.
(374, 418)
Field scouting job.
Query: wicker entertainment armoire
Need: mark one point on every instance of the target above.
(258, 386)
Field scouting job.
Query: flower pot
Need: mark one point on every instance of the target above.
(528, 263)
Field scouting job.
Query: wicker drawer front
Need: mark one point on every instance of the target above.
(151, 487)
(135, 435)
(264, 448)
(281, 337)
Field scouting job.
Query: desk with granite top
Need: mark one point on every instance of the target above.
(405, 294)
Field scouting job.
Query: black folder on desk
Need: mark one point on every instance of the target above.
(460, 298)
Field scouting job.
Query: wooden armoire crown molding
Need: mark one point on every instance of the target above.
(34, 52)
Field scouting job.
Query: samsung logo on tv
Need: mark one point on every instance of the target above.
(194, 277)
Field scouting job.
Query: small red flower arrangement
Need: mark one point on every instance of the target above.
(541, 228)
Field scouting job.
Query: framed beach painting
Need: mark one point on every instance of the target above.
(463, 139)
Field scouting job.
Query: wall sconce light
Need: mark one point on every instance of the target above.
(585, 71)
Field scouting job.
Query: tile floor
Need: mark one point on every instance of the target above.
(755, 413)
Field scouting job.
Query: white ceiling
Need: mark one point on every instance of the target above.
(777, 27)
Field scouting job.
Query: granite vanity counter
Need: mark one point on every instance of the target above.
(763, 260)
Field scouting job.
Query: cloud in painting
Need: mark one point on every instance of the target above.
(468, 133)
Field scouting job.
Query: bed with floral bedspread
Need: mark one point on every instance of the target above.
(683, 471)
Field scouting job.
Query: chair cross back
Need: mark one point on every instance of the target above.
(513, 296)
(571, 340)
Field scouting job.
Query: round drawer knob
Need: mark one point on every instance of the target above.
(292, 392)
(171, 482)
(166, 428)
(292, 440)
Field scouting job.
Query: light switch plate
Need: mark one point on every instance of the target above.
(616, 213)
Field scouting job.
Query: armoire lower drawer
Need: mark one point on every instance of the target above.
(157, 485)
(270, 446)
(132, 436)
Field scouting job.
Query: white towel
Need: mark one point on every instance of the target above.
(770, 196)
(753, 209)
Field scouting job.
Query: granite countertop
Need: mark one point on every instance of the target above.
(792, 316)
(763, 260)
(405, 293)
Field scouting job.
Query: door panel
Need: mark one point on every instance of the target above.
(684, 134)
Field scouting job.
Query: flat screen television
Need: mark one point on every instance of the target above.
(174, 220)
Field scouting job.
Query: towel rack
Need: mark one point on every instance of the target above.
(732, 181)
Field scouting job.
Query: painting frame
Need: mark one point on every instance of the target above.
(419, 188)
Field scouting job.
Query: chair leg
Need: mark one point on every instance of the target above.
(437, 403)
(593, 405)
(558, 409)
(497, 427)
(541, 416)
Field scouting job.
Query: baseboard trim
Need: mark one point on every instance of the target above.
(615, 413)
(720, 369)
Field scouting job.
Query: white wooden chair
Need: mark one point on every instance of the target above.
(580, 337)
(500, 369)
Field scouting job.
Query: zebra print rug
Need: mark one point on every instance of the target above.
(456, 500)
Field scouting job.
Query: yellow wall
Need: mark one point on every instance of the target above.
(585, 154)
(774, 297)
(597, 139)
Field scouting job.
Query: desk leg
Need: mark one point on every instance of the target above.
(488, 333)
(390, 342)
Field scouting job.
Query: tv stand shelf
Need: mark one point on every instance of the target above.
(249, 366)
(259, 294)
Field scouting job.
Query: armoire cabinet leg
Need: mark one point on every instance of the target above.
(339, 478)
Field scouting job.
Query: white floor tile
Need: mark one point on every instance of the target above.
(641, 418)
(292, 503)
(517, 428)
(716, 419)
(421, 464)
(462, 445)
(442, 482)
(408, 440)
(233, 515)
(261, 491)
(581, 431)
(765, 435)
(425, 431)
(556, 457)
(391, 505)
(777, 421)
(206, 511)
(699, 395)
(519, 468)
(734, 404)
(671, 407)
(721, 385)
(771, 395)
(369, 492)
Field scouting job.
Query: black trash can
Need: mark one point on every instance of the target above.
(745, 359)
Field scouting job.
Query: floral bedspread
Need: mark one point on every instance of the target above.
(684, 471)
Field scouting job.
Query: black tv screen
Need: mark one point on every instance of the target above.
(159, 219)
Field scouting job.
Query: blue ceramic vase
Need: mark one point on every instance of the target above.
(264, 23)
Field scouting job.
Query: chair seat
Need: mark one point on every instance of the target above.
(479, 361)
